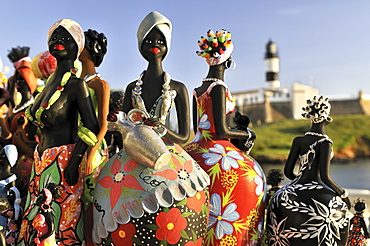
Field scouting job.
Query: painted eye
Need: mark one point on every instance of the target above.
(160, 42)
(147, 41)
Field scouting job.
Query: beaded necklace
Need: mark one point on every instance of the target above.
(52, 100)
(212, 80)
(19, 108)
(166, 97)
(316, 134)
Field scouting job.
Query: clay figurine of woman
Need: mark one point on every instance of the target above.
(91, 57)
(24, 81)
(312, 209)
(114, 138)
(43, 221)
(65, 115)
(237, 181)
(140, 203)
(8, 158)
(4, 205)
(358, 233)
(14, 216)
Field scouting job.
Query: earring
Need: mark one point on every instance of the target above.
(232, 65)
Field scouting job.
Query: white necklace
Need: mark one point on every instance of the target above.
(316, 134)
(166, 97)
(18, 108)
(212, 79)
(89, 77)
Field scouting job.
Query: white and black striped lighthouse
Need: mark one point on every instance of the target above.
(272, 66)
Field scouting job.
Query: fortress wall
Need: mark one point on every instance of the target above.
(346, 107)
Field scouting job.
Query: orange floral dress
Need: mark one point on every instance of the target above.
(41, 226)
(238, 184)
(67, 210)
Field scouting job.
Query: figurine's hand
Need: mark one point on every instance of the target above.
(112, 116)
(71, 173)
(152, 122)
(347, 201)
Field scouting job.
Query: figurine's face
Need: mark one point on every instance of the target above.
(11, 196)
(4, 165)
(21, 84)
(62, 45)
(154, 45)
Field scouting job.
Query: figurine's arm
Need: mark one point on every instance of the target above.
(50, 227)
(218, 95)
(292, 159)
(183, 115)
(23, 143)
(127, 100)
(324, 162)
(195, 115)
(89, 120)
(102, 92)
(364, 227)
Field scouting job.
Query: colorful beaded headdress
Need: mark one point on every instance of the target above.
(317, 110)
(216, 47)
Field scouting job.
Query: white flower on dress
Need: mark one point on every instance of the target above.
(203, 124)
(259, 181)
(228, 159)
(222, 219)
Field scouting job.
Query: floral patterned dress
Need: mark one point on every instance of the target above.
(12, 229)
(356, 235)
(237, 187)
(67, 210)
(306, 211)
(137, 205)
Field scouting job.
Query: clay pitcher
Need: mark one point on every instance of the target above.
(141, 142)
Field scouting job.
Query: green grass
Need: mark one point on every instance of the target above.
(348, 132)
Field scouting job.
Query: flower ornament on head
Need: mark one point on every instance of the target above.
(216, 48)
(155, 20)
(74, 29)
(96, 43)
(48, 196)
(317, 110)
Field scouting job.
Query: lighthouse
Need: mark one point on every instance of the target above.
(272, 66)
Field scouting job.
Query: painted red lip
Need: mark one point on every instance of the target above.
(58, 47)
(155, 50)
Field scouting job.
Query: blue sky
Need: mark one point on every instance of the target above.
(323, 43)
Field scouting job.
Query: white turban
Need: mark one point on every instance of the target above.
(74, 29)
(11, 153)
(159, 21)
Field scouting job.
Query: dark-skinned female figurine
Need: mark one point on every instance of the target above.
(13, 216)
(44, 220)
(237, 181)
(358, 233)
(24, 81)
(65, 115)
(169, 198)
(312, 209)
(8, 158)
(91, 57)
